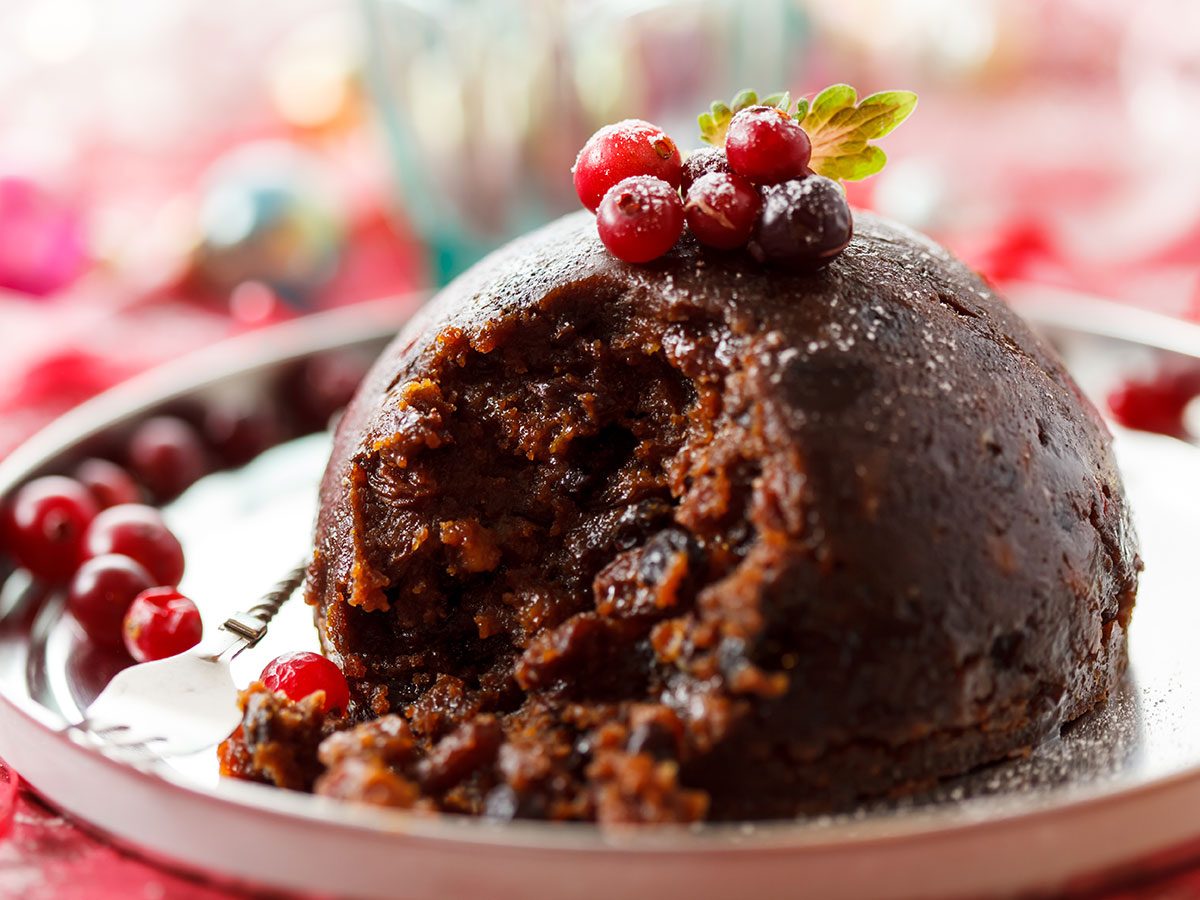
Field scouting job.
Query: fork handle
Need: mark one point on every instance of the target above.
(251, 625)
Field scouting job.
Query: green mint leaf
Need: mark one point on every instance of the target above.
(782, 100)
(853, 166)
(841, 127)
(888, 109)
(743, 99)
(714, 124)
(801, 110)
(832, 100)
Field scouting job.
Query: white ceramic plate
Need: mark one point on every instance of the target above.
(1115, 788)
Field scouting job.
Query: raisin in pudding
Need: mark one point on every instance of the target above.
(703, 538)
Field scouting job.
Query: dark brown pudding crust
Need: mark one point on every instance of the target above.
(700, 539)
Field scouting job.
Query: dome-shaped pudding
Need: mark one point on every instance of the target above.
(702, 538)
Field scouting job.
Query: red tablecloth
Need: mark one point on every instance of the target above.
(44, 856)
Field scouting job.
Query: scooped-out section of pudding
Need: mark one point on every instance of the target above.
(703, 540)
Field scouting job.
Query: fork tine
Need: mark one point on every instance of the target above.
(137, 744)
(185, 704)
(133, 754)
(119, 736)
(95, 729)
(142, 746)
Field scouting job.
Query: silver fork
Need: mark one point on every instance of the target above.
(184, 704)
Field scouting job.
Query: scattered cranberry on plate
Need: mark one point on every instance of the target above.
(168, 456)
(101, 593)
(301, 674)
(640, 218)
(139, 532)
(321, 386)
(160, 623)
(44, 526)
(620, 151)
(238, 435)
(1156, 404)
(108, 483)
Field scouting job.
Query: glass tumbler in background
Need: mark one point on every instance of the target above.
(486, 102)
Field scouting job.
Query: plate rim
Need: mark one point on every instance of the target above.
(243, 355)
(712, 836)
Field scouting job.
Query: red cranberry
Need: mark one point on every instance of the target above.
(702, 162)
(803, 224)
(239, 435)
(640, 219)
(620, 151)
(139, 532)
(766, 145)
(301, 674)
(9, 786)
(108, 483)
(101, 593)
(161, 622)
(722, 210)
(167, 455)
(1157, 404)
(322, 386)
(44, 526)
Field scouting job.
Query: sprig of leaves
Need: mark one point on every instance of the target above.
(715, 122)
(841, 128)
(839, 125)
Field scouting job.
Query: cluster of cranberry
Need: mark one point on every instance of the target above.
(95, 536)
(120, 562)
(758, 192)
(122, 565)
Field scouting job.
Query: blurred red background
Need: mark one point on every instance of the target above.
(172, 173)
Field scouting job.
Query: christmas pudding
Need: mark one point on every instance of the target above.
(711, 533)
